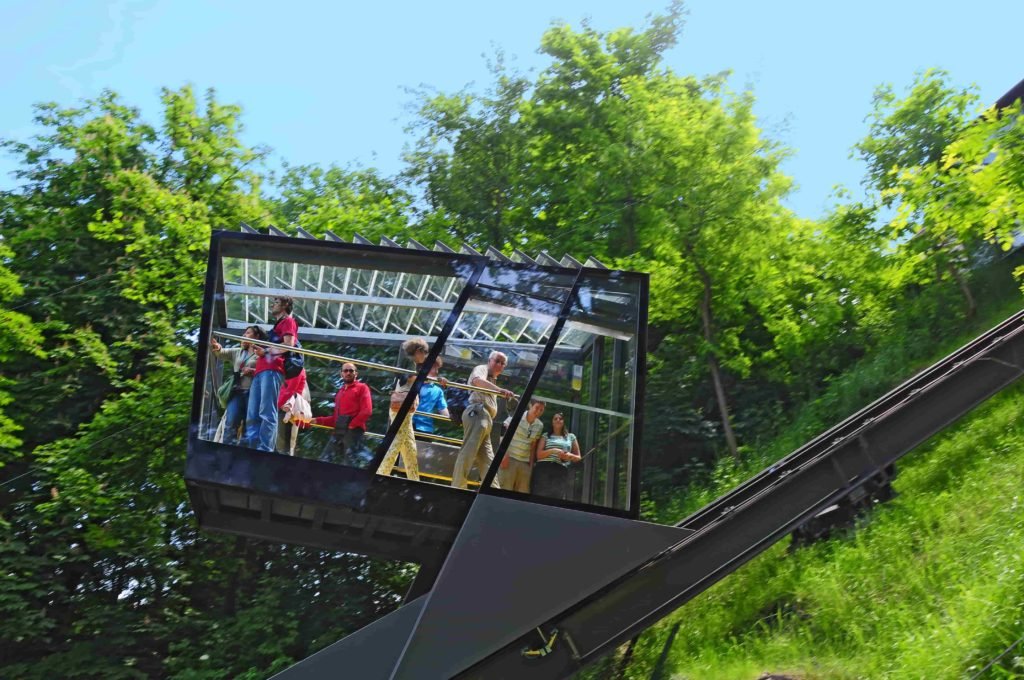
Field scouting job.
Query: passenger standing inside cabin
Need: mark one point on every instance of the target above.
(514, 473)
(556, 452)
(261, 416)
(404, 442)
(431, 401)
(477, 420)
(243, 365)
(352, 408)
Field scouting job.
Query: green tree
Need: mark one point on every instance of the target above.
(105, 572)
(108, 228)
(823, 295)
(717, 210)
(469, 160)
(904, 150)
(67, 273)
(591, 166)
(972, 193)
(23, 338)
(913, 130)
(342, 202)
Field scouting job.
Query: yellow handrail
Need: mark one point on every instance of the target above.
(441, 477)
(356, 362)
(425, 435)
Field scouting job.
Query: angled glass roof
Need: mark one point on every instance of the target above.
(384, 299)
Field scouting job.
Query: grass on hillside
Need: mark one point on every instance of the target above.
(930, 585)
(875, 375)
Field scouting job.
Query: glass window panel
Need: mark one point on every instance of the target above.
(588, 389)
(602, 330)
(527, 468)
(358, 307)
(509, 300)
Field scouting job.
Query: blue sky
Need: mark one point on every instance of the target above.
(328, 82)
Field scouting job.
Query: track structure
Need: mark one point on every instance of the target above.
(738, 526)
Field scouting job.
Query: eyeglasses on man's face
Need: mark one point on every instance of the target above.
(348, 370)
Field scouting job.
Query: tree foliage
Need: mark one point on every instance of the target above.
(907, 153)
(106, 574)
(342, 202)
(468, 161)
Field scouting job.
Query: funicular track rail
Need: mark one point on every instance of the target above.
(828, 439)
(741, 524)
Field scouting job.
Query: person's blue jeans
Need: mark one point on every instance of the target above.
(261, 416)
(234, 412)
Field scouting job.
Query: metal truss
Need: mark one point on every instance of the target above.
(365, 305)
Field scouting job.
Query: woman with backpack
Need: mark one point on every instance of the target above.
(404, 443)
(261, 416)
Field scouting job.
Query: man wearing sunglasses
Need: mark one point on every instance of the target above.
(352, 408)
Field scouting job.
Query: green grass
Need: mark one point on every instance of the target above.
(846, 394)
(930, 585)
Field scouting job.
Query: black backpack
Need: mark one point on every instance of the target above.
(458, 400)
(293, 361)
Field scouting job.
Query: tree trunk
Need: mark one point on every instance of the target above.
(716, 372)
(965, 289)
(630, 223)
(723, 406)
(619, 670)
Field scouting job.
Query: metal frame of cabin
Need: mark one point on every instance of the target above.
(342, 298)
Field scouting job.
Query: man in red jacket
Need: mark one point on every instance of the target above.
(352, 408)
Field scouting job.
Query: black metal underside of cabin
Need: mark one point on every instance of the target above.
(322, 505)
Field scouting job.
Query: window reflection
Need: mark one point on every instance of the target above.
(319, 360)
(349, 322)
(583, 449)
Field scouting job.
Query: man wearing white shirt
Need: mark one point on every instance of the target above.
(478, 419)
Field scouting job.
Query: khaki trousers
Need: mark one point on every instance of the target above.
(515, 477)
(476, 446)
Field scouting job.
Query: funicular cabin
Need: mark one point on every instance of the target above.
(573, 335)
